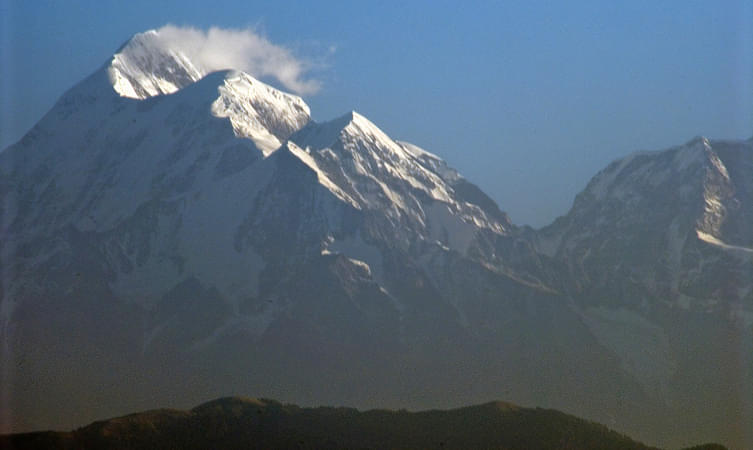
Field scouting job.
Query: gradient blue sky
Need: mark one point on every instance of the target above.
(527, 99)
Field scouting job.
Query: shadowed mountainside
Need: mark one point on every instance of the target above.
(260, 423)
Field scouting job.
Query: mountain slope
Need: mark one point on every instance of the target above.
(251, 423)
(657, 252)
(163, 233)
(668, 213)
(149, 64)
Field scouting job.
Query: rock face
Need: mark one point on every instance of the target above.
(170, 235)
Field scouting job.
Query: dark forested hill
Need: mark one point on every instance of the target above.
(231, 423)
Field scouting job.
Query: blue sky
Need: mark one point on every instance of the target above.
(527, 99)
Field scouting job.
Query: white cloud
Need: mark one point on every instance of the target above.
(241, 49)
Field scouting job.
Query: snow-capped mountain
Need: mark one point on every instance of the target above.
(148, 65)
(171, 234)
(657, 253)
(671, 215)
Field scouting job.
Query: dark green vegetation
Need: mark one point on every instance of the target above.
(231, 423)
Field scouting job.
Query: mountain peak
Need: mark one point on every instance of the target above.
(152, 64)
(258, 111)
(696, 140)
(353, 123)
(148, 65)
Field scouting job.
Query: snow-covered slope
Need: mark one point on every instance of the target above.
(151, 139)
(412, 187)
(149, 65)
(173, 175)
(260, 112)
(175, 217)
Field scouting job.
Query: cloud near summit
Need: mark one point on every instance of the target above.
(241, 49)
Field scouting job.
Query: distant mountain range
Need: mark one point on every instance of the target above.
(240, 423)
(171, 235)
